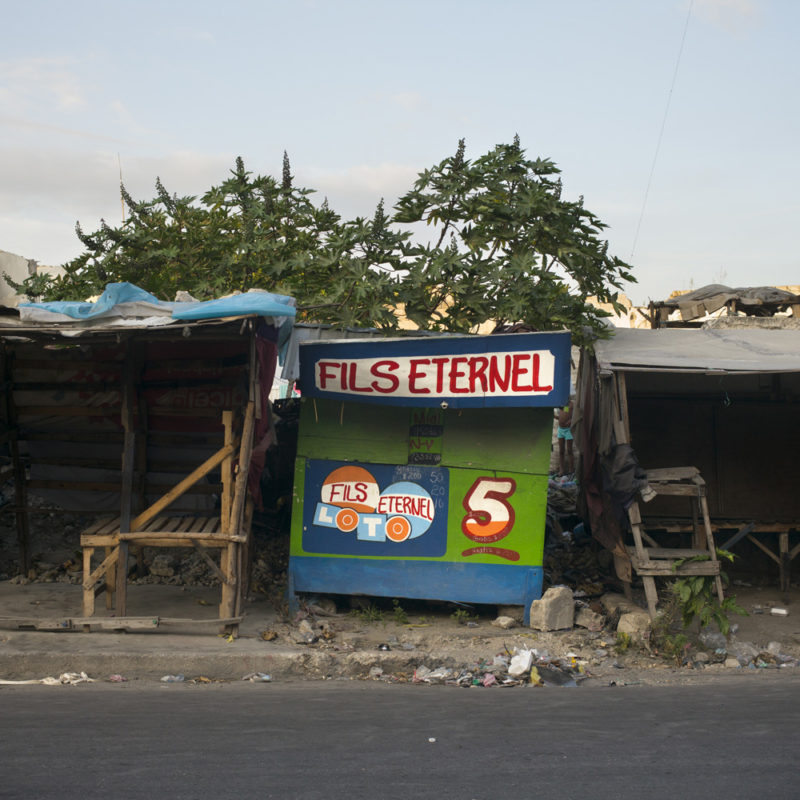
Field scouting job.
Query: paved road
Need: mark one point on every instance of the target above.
(732, 739)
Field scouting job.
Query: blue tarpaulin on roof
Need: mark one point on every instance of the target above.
(264, 304)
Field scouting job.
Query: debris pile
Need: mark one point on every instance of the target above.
(521, 667)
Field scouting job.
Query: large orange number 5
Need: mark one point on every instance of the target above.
(489, 516)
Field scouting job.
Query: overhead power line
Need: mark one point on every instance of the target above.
(661, 132)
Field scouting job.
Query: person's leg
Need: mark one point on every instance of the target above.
(570, 458)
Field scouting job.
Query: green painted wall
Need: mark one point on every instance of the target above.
(472, 443)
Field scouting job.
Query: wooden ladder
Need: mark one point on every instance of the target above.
(664, 562)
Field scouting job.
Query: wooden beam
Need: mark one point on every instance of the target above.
(129, 378)
(667, 570)
(174, 493)
(227, 477)
(245, 453)
(210, 561)
(622, 389)
(108, 561)
(676, 489)
(672, 473)
(764, 548)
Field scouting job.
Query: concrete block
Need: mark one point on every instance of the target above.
(635, 623)
(555, 611)
(586, 618)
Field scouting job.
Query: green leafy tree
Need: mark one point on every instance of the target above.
(505, 248)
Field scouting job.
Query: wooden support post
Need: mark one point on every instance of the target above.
(88, 590)
(712, 549)
(245, 556)
(129, 380)
(229, 559)
(227, 474)
(697, 535)
(786, 562)
(622, 394)
(240, 486)
(230, 556)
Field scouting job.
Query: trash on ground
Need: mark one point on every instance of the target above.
(173, 679)
(65, 679)
(257, 677)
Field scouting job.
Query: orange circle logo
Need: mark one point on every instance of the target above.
(398, 529)
(346, 520)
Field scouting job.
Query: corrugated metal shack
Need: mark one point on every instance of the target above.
(724, 401)
(151, 416)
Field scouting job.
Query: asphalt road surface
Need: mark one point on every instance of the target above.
(730, 739)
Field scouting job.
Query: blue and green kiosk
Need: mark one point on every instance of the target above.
(422, 466)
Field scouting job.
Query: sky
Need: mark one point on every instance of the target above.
(364, 94)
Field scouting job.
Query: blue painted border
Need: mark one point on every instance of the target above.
(558, 343)
(498, 584)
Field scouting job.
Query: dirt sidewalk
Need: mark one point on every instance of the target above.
(378, 641)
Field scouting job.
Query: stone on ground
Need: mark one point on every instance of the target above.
(635, 623)
(555, 611)
(515, 612)
(586, 618)
(504, 622)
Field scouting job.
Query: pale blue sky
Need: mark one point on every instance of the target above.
(363, 95)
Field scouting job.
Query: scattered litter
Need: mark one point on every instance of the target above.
(713, 640)
(269, 636)
(555, 676)
(439, 675)
(776, 611)
(117, 678)
(383, 646)
(256, 677)
(420, 673)
(431, 739)
(521, 663)
(65, 679)
(173, 679)
(489, 679)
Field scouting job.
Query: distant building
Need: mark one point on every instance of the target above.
(18, 268)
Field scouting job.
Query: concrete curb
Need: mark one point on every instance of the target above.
(28, 656)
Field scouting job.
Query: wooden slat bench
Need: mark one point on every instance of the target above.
(154, 527)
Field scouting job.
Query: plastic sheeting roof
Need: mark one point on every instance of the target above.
(703, 350)
(127, 300)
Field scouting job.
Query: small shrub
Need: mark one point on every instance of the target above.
(398, 613)
(370, 613)
(462, 616)
(697, 597)
(623, 642)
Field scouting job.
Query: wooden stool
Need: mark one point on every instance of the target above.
(655, 561)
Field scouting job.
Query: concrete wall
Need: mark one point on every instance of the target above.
(19, 268)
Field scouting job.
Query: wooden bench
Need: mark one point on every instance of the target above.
(225, 531)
